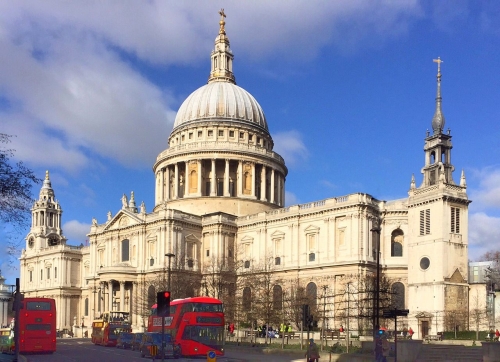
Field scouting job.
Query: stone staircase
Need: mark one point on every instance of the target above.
(449, 353)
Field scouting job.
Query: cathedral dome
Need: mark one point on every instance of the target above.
(220, 101)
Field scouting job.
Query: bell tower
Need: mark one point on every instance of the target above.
(45, 220)
(437, 241)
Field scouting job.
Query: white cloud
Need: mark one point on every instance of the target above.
(71, 71)
(291, 199)
(487, 193)
(484, 234)
(328, 184)
(76, 232)
(290, 146)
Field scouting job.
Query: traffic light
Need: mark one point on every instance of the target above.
(305, 316)
(163, 303)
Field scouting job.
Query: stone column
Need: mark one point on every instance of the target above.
(162, 184)
(199, 179)
(186, 183)
(263, 184)
(272, 186)
(176, 181)
(123, 307)
(239, 181)
(110, 295)
(212, 180)
(278, 183)
(134, 297)
(167, 184)
(226, 179)
(253, 181)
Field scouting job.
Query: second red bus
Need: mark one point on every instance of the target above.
(195, 324)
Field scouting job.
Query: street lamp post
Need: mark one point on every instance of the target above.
(169, 256)
(376, 323)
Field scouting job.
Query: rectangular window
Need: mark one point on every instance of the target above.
(258, 140)
(190, 135)
(208, 252)
(55, 272)
(31, 275)
(476, 274)
(231, 133)
(242, 135)
(455, 220)
(41, 274)
(200, 133)
(221, 133)
(210, 133)
(182, 138)
(48, 273)
(425, 222)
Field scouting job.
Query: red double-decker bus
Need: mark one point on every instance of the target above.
(195, 324)
(37, 325)
(107, 328)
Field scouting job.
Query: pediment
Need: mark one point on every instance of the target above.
(123, 219)
(424, 315)
(311, 229)
(191, 238)
(247, 239)
(278, 234)
(456, 277)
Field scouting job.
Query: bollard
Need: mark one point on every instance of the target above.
(211, 357)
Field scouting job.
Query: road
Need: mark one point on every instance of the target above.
(82, 350)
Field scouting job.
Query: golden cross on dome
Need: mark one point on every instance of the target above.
(222, 22)
(438, 61)
(222, 14)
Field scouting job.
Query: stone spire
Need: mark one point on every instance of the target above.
(438, 119)
(463, 183)
(46, 192)
(221, 56)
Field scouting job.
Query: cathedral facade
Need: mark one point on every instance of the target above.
(220, 205)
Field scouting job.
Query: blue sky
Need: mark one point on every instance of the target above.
(91, 89)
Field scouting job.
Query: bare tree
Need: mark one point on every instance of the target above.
(478, 315)
(16, 181)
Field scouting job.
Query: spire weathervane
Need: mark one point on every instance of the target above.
(438, 119)
(438, 61)
(222, 22)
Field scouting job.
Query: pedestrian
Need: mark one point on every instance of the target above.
(231, 329)
(312, 353)
(341, 329)
(410, 333)
(497, 335)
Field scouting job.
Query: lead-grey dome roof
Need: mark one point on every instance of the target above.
(221, 100)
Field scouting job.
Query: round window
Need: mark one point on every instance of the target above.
(424, 263)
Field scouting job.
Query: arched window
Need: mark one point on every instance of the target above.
(277, 297)
(193, 181)
(247, 299)
(398, 295)
(247, 183)
(125, 250)
(397, 238)
(312, 295)
(86, 306)
(151, 296)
